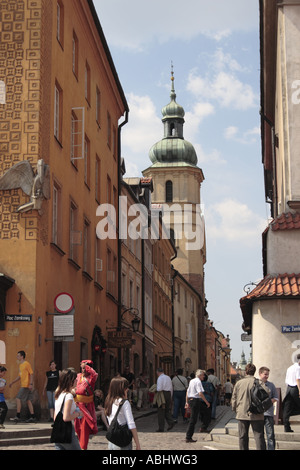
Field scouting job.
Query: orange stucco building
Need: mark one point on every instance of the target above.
(61, 111)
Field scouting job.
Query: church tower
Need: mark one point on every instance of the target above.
(177, 181)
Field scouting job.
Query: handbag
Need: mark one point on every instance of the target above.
(187, 413)
(119, 434)
(62, 430)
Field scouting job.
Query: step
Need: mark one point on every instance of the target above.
(24, 433)
(23, 441)
(228, 436)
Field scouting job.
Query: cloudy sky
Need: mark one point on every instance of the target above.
(214, 48)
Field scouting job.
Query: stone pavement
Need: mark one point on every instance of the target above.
(146, 422)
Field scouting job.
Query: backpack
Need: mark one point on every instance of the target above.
(119, 434)
(260, 399)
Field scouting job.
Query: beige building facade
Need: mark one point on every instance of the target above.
(272, 310)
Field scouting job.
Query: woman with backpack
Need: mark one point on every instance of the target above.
(117, 395)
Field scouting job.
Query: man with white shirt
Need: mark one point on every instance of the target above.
(194, 392)
(164, 385)
(291, 402)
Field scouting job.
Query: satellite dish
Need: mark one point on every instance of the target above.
(63, 302)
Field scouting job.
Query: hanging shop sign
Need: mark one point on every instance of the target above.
(120, 339)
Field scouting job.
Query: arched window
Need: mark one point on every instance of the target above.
(169, 191)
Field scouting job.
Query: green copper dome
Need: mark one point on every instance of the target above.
(173, 148)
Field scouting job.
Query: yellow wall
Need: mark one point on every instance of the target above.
(41, 270)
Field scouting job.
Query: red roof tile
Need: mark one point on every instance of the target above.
(277, 286)
(281, 285)
(287, 221)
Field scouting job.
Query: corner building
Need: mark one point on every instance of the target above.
(62, 104)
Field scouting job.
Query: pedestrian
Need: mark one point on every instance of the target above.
(131, 381)
(194, 392)
(228, 387)
(212, 378)
(99, 408)
(3, 405)
(65, 394)
(205, 412)
(25, 391)
(264, 373)
(118, 391)
(164, 385)
(180, 385)
(84, 399)
(291, 402)
(240, 402)
(51, 384)
(142, 390)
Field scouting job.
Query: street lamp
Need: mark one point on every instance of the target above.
(136, 321)
(135, 324)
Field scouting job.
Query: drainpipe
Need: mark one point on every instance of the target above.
(119, 240)
(173, 312)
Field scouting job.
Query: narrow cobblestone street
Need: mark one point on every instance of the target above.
(149, 438)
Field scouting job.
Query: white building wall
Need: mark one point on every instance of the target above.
(271, 347)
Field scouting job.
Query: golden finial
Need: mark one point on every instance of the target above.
(172, 71)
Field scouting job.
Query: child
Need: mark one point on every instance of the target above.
(3, 405)
(100, 413)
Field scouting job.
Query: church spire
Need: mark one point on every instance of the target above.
(173, 94)
(173, 148)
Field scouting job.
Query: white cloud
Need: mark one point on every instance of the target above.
(233, 221)
(248, 137)
(144, 127)
(224, 87)
(138, 23)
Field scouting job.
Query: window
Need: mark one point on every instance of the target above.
(56, 215)
(108, 188)
(87, 161)
(98, 106)
(114, 143)
(86, 246)
(108, 130)
(75, 235)
(98, 261)
(169, 191)
(57, 112)
(74, 138)
(87, 82)
(111, 278)
(130, 293)
(97, 179)
(77, 135)
(60, 22)
(75, 48)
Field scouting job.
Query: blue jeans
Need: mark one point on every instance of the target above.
(112, 446)
(179, 403)
(269, 428)
(214, 405)
(51, 399)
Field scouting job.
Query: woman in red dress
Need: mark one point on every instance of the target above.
(87, 425)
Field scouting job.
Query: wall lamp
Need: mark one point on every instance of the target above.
(136, 321)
